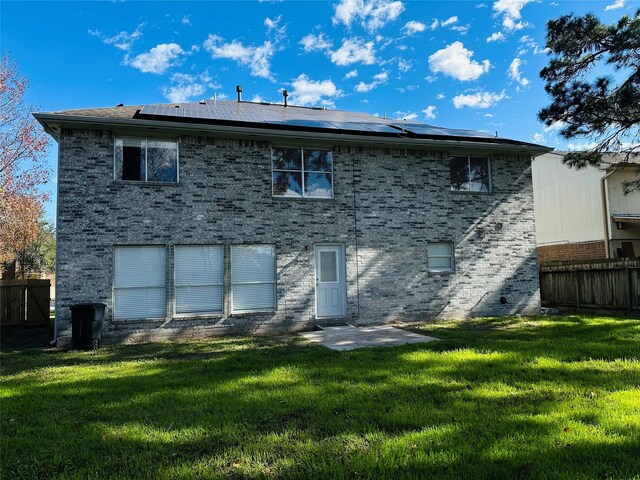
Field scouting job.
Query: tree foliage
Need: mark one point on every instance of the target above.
(23, 169)
(586, 103)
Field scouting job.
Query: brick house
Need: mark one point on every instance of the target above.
(207, 217)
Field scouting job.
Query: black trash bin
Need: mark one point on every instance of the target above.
(86, 325)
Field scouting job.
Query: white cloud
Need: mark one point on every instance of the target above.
(373, 14)
(123, 41)
(496, 37)
(615, 5)
(257, 58)
(400, 115)
(440, 96)
(404, 65)
(434, 24)
(478, 100)
(315, 43)
(257, 99)
(449, 21)
(462, 29)
(186, 87)
(515, 74)
(183, 92)
(488, 115)
(312, 92)
(158, 59)
(510, 11)
(430, 112)
(580, 146)
(351, 74)
(455, 61)
(354, 50)
(378, 79)
(412, 27)
(186, 20)
(538, 138)
(274, 29)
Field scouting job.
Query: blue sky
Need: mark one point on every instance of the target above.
(463, 64)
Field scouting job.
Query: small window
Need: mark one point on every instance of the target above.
(139, 282)
(199, 278)
(440, 256)
(470, 174)
(302, 173)
(144, 159)
(253, 278)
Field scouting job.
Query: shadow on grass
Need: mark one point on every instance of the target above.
(492, 400)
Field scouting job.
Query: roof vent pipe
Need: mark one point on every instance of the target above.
(285, 94)
(239, 90)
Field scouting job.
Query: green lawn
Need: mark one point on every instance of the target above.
(555, 397)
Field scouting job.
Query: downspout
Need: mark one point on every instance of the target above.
(355, 230)
(605, 213)
(55, 305)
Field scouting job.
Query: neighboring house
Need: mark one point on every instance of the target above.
(257, 216)
(585, 214)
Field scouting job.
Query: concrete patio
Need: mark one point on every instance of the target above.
(349, 337)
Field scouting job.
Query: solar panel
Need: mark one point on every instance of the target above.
(424, 129)
(313, 118)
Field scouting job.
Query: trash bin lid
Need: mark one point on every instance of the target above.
(88, 305)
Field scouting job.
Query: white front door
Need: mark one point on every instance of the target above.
(330, 281)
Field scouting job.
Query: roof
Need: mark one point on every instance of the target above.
(633, 218)
(285, 120)
(609, 159)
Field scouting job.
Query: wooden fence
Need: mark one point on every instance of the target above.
(24, 302)
(602, 284)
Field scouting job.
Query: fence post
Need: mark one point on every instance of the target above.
(630, 291)
(577, 290)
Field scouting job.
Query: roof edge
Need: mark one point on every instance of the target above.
(51, 120)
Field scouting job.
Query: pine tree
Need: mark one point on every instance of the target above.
(586, 104)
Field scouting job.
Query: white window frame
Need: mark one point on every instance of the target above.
(488, 158)
(274, 282)
(113, 280)
(302, 172)
(146, 141)
(451, 258)
(176, 285)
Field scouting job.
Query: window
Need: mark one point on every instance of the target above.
(302, 173)
(139, 282)
(470, 174)
(199, 278)
(440, 256)
(253, 278)
(146, 160)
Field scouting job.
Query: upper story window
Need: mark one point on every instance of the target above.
(302, 172)
(470, 174)
(146, 159)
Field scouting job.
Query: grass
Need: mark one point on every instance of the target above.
(555, 397)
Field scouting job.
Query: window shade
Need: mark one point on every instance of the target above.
(199, 277)
(440, 256)
(139, 282)
(253, 277)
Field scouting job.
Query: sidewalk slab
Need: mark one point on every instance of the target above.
(349, 337)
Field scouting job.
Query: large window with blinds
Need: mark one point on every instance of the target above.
(139, 282)
(253, 278)
(198, 279)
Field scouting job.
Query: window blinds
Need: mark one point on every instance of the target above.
(253, 278)
(139, 282)
(199, 277)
